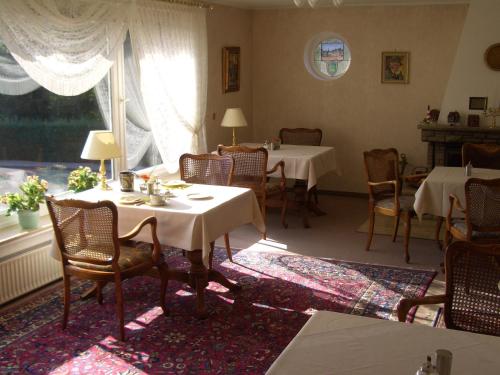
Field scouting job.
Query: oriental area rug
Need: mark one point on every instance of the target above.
(244, 332)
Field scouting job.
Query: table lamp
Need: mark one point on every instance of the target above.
(101, 145)
(234, 118)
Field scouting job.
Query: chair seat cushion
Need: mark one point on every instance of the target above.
(405, 203)
(129, 257)
(461, 226)
(273, 188)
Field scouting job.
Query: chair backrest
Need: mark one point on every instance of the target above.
(381, 165)
(482, 200)
(85, 232)
(472, 288)
(301, 136)
(206, 169)
(250, 166)
(481, 155)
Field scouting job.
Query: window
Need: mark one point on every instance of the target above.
(327, 56)
(43, 133)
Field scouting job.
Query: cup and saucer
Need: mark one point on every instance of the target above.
(157, 200)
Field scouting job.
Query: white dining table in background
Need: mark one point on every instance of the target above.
(333, 343)
(432, 197)
(303, 162)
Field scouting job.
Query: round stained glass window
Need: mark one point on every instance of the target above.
(327, 56)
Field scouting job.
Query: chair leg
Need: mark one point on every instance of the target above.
(371, 215)
(283, 211)
(408, 216)
(100, 285)
(67, 296)
(119, 305)
(163, 271)
(263, 210)
(396, 226)
(439, 224)
(316, 195)
(228, 247)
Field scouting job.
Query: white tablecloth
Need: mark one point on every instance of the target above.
(333, 343)
(303, 162)
(432, 195)
(185, 223)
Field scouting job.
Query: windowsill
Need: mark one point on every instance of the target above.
(15, 232)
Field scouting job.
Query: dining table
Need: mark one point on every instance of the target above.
(432, 197)
(343, 344)
(302, 162)
(192, 218)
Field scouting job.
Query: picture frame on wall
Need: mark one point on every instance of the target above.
(231, 69)
(478, 103)
(395, 67)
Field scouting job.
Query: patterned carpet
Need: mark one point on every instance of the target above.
(244, 332)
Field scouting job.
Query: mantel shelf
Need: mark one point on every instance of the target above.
(448, 128)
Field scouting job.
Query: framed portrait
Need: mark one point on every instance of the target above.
(231, 68)
(395, 67)
(478, 103)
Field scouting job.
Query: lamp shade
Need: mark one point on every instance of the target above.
(100, 145)
(234, 118)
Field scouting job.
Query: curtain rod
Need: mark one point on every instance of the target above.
(194, 3)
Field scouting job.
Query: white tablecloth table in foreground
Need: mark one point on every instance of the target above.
(432, 195)
(185, 223)
(303, 162)
(333, 343)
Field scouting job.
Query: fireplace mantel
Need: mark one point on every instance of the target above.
(445, 141)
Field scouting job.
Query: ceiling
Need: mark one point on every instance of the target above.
(262, 4)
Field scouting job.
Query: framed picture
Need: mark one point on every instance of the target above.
(478, 103)
(395, 67)
(231, 69)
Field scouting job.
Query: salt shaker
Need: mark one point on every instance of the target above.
(443, 361)
(468, 169)
(427, 368)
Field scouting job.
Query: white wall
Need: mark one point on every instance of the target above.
(470, 76)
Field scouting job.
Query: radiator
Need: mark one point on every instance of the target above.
(24, 273)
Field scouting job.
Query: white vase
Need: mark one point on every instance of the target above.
(28, 219)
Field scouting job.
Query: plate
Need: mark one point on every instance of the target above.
(156, 205)
(175, 184)
(130, 200)
(199, 196)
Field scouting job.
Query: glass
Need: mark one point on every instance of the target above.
(43, 134)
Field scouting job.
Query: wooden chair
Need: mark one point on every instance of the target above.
(481, 155)
(306, 137)
(87, 236)
(472, 298)
(301, 136)
(482, 213)
(250, 171)
(384, 189)
(208, 169)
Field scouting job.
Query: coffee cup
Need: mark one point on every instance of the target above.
(156, 200)
(127, 181)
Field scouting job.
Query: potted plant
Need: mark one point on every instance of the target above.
(27, 203)
(82, 179)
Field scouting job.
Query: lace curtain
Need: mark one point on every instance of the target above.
(13, 78)
(169, 43)
(65, 46)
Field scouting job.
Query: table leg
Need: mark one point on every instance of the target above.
(198, 275)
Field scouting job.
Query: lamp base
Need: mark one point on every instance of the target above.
(103, 185)
(235, 143)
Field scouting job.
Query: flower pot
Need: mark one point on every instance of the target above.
(28, 219)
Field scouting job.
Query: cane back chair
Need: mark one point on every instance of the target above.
(208, 169)
(87, 237)
(384, 189)
(482, 213)
(250, 171)
(481, 155)
(472, 295)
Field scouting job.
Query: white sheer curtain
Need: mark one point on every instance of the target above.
(65, 46)
(13, 78)
(169, 42)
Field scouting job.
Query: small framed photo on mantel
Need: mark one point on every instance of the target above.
(395, 67)
(231, 68)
